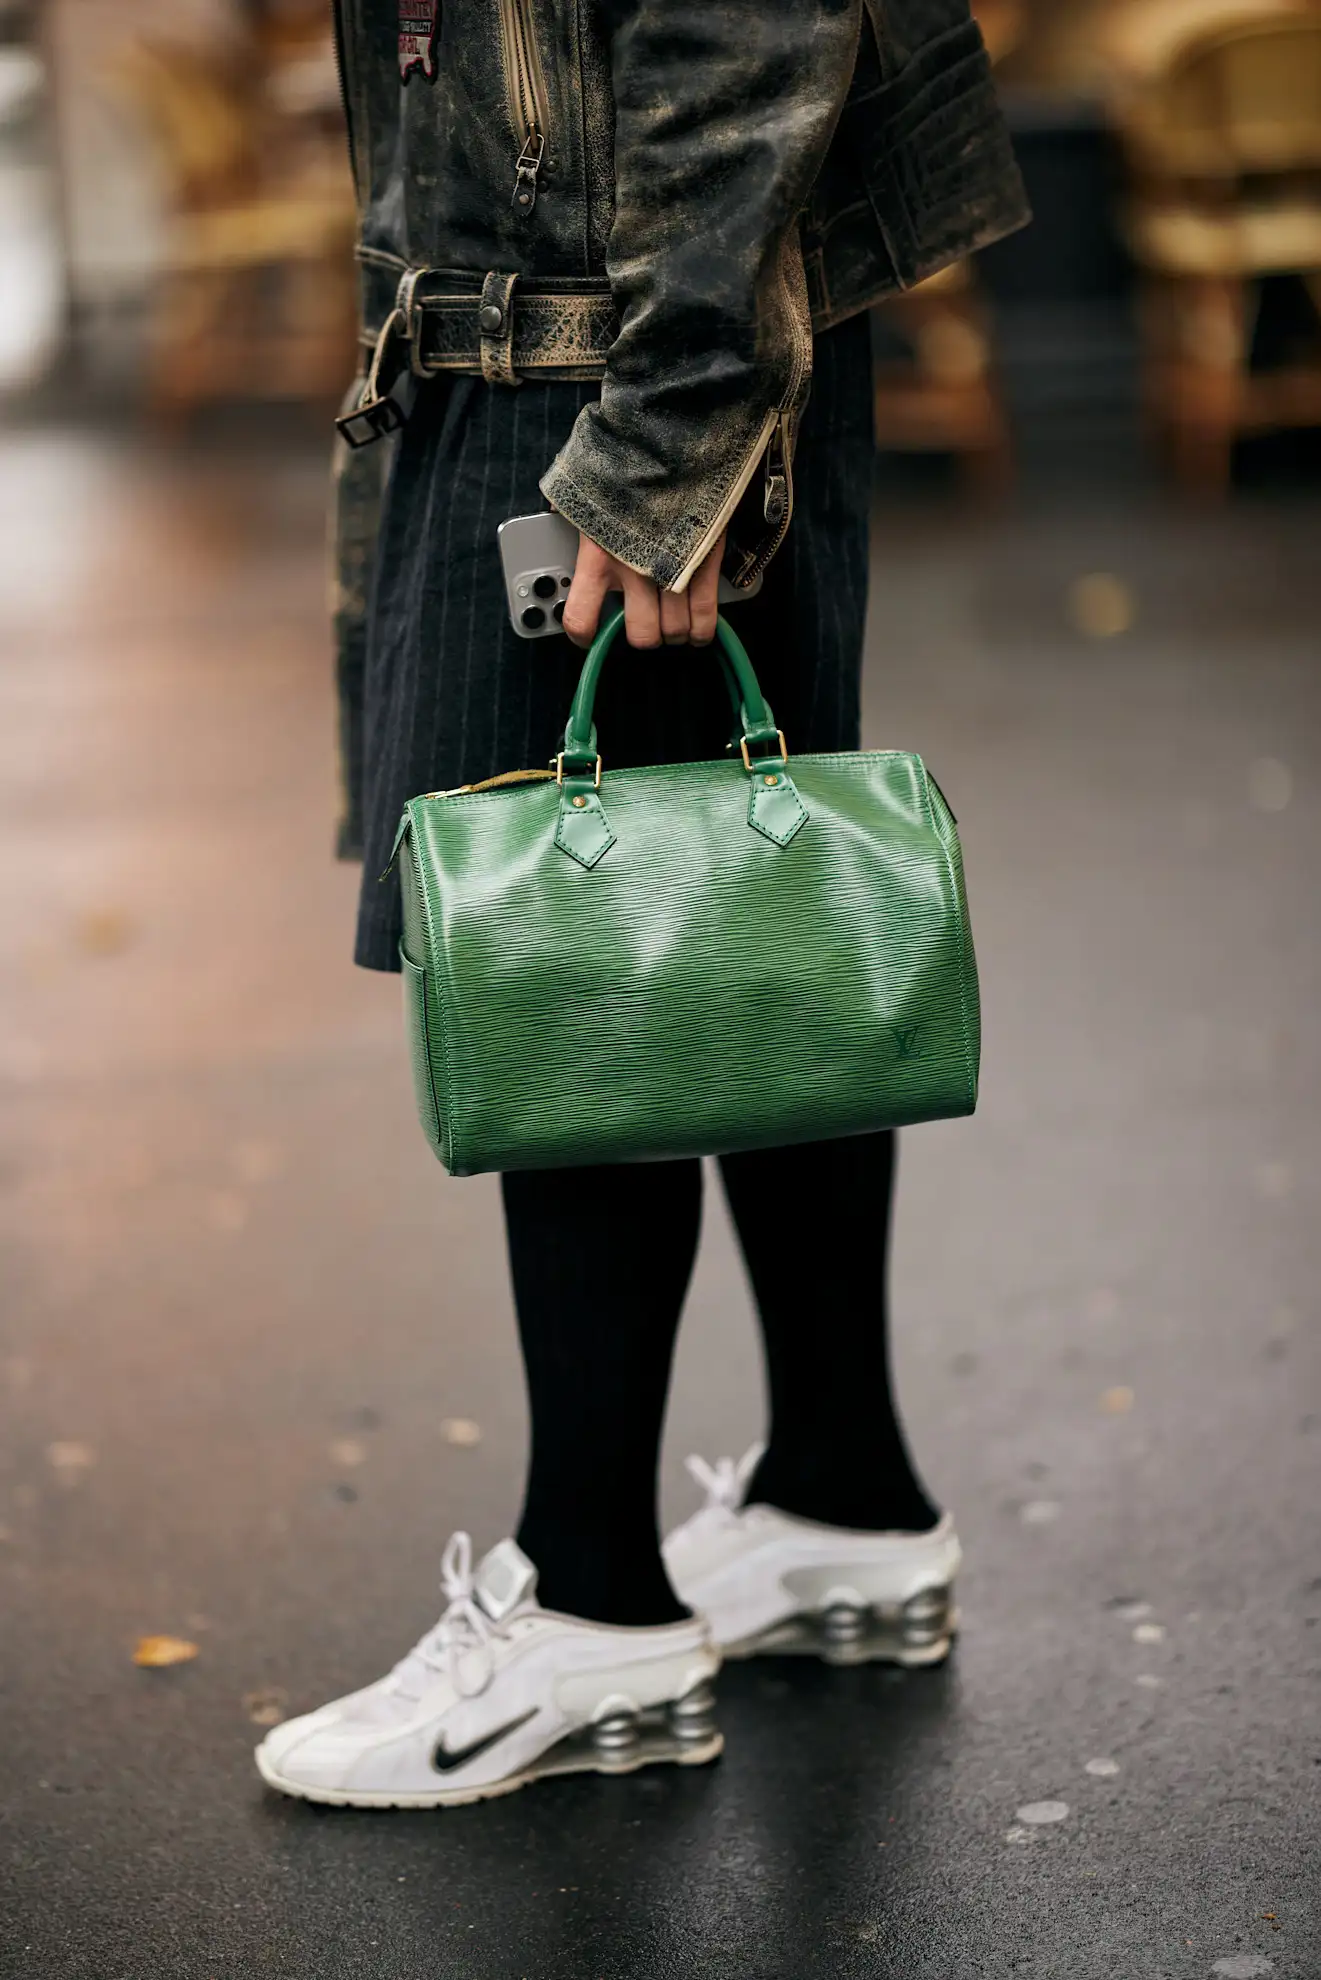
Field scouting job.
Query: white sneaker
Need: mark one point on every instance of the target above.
(768, 1582)
(499, 1693)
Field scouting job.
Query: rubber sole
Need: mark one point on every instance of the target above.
(916, 1636)
(620, 1745)
(779, 1643)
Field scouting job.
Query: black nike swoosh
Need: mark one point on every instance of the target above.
(446, 1762)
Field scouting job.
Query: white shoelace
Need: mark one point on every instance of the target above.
(725, 1481)
(465, 1632)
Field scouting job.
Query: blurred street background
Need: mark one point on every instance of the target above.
(257, 1354)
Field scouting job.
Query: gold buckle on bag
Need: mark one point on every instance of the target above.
(747, 760)
(559, 771)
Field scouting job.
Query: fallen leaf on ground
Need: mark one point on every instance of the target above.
(1101, 605)
(70, 1460)
(461, 1430)
(257, 1161)
(105, 931)
(154, 1653)
(1117, 1402)
(266, 1706)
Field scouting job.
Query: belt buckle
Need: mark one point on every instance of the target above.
(371, 422)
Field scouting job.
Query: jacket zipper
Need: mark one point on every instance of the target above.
(774, 447)
(337, 11)
(528, 107)
(778, 498)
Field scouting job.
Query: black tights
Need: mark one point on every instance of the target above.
(601, 1262)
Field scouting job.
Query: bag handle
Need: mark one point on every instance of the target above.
(775, 809)
(757, 730)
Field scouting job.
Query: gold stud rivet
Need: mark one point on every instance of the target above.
(578, 803)
(771, 780)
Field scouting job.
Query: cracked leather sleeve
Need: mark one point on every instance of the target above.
(723, 115)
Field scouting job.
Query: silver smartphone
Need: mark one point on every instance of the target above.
(538, 554)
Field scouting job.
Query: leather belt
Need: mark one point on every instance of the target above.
(500, 327)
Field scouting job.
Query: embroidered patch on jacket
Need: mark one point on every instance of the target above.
(417, 37)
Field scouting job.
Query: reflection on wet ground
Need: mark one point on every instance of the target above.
(258, 1356)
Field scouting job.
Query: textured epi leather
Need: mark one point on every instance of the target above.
(700, 989)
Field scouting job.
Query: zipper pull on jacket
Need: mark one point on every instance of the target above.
(525, 181)
(775, 501)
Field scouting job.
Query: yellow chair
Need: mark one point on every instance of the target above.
(1224, 154)
(256, 294)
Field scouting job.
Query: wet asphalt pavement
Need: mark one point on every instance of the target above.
(257, 1355)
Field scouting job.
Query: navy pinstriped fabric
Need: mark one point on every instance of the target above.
(452, 695)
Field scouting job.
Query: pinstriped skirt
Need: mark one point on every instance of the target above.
(452, 695)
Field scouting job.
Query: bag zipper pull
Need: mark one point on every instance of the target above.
(399, 838)
(525, 181)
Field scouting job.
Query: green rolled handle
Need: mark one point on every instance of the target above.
(775, 808)
(756, 722)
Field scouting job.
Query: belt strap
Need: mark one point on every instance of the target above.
(558, 333)
(505, 329)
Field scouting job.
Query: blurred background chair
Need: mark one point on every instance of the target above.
(255, 297)
(1223, 145)
(1132, 41)
(935, 388)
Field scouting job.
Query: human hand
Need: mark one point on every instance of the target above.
(652, 617)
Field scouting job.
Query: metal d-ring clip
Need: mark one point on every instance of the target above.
(748, 761)
(376, 413)
(380, 412)
(559, 771)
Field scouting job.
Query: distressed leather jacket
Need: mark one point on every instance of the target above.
(670, 195)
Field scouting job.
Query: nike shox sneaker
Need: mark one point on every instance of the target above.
(502, 1692)
(768, 1583)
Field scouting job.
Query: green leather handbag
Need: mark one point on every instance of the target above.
(684, 959)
